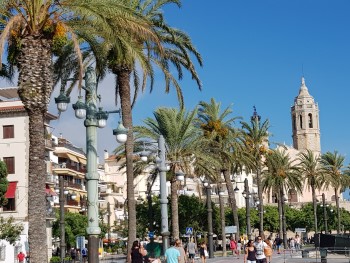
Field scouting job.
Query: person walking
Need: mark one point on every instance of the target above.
(203, 252)
(233, 246)
(172, 255)
(135, 254)
(179, 247)
(154, 249)
(21, 257)
(250, 252)
(268, 249)
(278, 243)
(260, 246)
(191, 250)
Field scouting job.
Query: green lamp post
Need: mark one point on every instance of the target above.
(94, 118)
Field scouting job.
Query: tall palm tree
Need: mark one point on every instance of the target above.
(184, 146)
(35, 30)
(217, 125)
(280, 176)
(255, 136)
(311, 170)
(333, 164)
(173, 51)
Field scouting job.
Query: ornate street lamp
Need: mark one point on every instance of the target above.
(94, 118)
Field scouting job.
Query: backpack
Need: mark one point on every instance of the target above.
(84, 252)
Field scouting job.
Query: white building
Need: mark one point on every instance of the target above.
(14, 151)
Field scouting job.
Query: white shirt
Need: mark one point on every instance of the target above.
(259, 246)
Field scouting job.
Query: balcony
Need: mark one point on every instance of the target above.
(51, 179)
(72, 203)
(76, 186)
(64, 165)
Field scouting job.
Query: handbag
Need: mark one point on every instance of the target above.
(206, 253)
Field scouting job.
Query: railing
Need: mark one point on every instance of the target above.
(76, 186)
(71, 167)
(50, 178)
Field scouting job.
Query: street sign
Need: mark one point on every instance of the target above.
(230, 229)
(80, 242)
(300, 230)
(189, 230)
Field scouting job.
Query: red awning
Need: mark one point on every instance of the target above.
(49, 191)
(11, 190)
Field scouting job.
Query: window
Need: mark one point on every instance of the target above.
(310, 121)
(8, 131)
(10, 164)
(301, 121)
(11, 205)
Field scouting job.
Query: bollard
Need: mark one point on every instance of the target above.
(323, 253)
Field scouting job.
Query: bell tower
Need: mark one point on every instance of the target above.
(305, 121)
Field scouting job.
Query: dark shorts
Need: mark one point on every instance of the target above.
(263, 260)
(191, 255)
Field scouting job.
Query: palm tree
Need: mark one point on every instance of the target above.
(311, 170)
(217, 125)
(173, 49)
(280, 176)
(36, 30)
(255, 136)
(184, 146)
(332, 165)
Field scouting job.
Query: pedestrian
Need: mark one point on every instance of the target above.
(154, 249)
(292, 245)
(250, 252)
(172, 255)
(239, 248)
(278, 243)
(203, 252)
(73, 254)
(179, 247)
(191, 250)
(260, 246)
(233, 246)
(21, 257)
(135, 254)
(297, 242)
(84, 254)
(268, 249)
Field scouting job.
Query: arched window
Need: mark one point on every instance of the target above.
(293, 121)
(333, 198)
(310, 120)
(301, 121)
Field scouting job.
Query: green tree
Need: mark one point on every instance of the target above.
(34, 31)
(183, 143)
(217, 126)
(9, 230)
(173, 47)
(3, 183)
(333, 163)
(75, 225)
(311, 170)
(255, 137)
(280, 176)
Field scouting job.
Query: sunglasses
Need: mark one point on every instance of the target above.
(259, 238)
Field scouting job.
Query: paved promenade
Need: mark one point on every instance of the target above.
(281, 258)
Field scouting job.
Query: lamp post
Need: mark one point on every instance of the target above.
(284, 224)
(162, 168)
(62, 227)
(246, 194)
(325, 213)
(210, 219)
(95, 118)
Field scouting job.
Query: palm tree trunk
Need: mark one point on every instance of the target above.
(223, 224)
(280, 212)
(338, 209)
(35, 83)
(314, 203)
(174, 209)
(284, 227)
(123, 82)
(232, 201)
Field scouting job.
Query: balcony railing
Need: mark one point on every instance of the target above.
(50, 178)
(76, 186)
(69, 166)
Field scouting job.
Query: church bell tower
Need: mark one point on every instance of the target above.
(305, 121)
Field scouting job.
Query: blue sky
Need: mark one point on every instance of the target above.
(255, 53)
